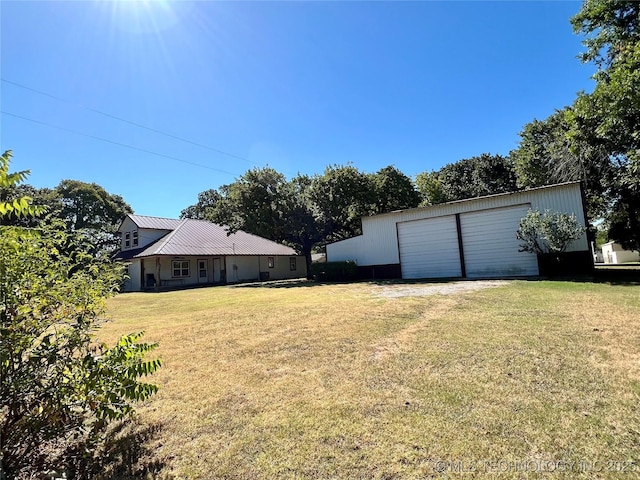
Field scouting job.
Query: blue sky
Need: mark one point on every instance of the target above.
(222, 87)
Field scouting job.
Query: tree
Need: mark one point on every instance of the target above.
(548, 232)
(264, 203)
(253, 203)
(302, 230)
(469, 178)
(393, 190)
(203, 210)
(90, 209)
(58, 386)
(610, 25)
(609, 117)
(547, 154)
(341, 196)
(430, 188)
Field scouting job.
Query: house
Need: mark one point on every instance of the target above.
(169, 253)
(470, 238)
(613, 252)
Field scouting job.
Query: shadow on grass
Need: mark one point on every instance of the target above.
(611, 276)
(614, 276)
(128, 452)
(618, 275)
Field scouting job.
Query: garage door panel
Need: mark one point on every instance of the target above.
(429, 248)
(491, 248)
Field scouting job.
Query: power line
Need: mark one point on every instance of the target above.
(116, 143)
(124, 120)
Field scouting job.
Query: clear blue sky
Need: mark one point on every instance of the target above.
(293, 85)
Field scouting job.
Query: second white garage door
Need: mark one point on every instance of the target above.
(429, 248)
(490, 245)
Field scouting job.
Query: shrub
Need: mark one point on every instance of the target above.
(58, 386)
(548, 232)
(335, 271)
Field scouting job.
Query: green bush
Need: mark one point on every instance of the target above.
(335, 271)
(58, 387)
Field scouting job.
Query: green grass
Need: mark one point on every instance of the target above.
(331, 381)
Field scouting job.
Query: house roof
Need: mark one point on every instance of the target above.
(154, 223)
(199, 237)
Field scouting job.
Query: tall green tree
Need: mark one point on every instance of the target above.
(468, 178)
(254, 203)
(547, 154)
(90, 209)
(341, 196)
(609, 117)
(264, 203)
(430, 188)
(203, 209)
(393, 190)
(301, 227)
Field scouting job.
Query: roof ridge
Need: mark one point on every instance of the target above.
(167, 238)
(152, 216)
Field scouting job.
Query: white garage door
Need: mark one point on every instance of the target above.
(429, 248)
(490, 245)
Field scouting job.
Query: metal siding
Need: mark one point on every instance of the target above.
(380, 245)
(565, 199)
(349, 249)
(491, 248)
(380, 242)
(429, 248)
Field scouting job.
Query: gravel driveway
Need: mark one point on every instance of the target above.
(403, 290)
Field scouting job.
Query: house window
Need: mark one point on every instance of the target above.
(292, 263)
(127, 240)
(180, 268)
(270, 262)
(135, 238)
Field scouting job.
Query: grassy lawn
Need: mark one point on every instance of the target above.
(334, 381)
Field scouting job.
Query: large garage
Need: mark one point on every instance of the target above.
(429, 248)
(474, 238)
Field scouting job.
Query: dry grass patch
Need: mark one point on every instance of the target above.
(332, 381)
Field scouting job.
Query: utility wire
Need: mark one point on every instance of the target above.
(120, 119)
(116, 143)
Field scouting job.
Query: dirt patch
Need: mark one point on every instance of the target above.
(400, 290)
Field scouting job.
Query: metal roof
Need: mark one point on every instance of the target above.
(199, 237)
(155, 223)
(473, 199)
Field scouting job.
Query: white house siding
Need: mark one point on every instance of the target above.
(378, 244)
(243, 269)
(248, 269)
(429, 248)
(614, 253)
(145, 235)
(132, 283)
(281, 269)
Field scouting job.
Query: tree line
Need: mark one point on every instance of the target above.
(309, 211)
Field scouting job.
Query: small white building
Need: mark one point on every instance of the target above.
(613, 252)
(470, 238)
(168, 253)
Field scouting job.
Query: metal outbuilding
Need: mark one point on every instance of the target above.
(473, 238)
